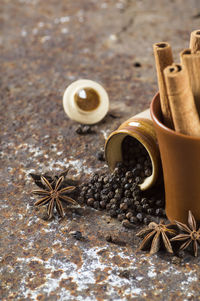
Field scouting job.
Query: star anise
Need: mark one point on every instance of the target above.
(191, 235)
(54, 195)
(156, 234)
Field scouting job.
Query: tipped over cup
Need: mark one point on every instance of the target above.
(139, 127)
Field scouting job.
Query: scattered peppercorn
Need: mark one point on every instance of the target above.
(100, 155)
(76, 234)
(119, 193)
(84, 129)
(137, 64)
(127, 224)
(115, 240)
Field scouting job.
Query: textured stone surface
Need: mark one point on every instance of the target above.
(44, 46)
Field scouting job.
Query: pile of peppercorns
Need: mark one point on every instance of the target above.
(136, 159)
(119, 193)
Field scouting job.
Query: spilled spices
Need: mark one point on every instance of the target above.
(53, 196)
(190, 234)
(76, 234)
(157, 236)
(119, 193)
(136, 156)
(100, 155)
(115, 239)
(83, 129)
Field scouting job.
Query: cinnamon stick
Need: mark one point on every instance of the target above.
(163, 58)
(192, 63)
(184, 113)
(195, 41)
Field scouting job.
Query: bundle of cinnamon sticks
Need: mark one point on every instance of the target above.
(179, 86)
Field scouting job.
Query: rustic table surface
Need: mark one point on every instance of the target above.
(44, 46)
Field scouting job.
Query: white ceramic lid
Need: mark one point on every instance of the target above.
(97, 109)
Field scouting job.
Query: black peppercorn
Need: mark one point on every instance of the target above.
(117, 196)
(138, 180)
(138, 208)
(89, 191)
(100, 179)
(123, 206)
(129, 174)
(128, 201)
(127, 224)
(121, 216)
(82, 193)
(123, 180)
(115, 186)
(129, 215)
(90, 202)
(136, 203)
(84, 129)
(159, 203)
(103, 204)
(107, 185)
(105, 180)
(151, 211)
(108, 206)
(98, 185)
(113, 206)
(110, 194)
(119, 190)
(145, 207)
(113, 213)
(84, 189)
(104, 197)
(127, 193)
(96, 205)
(134, 220)
(127, 186)
(139, 217)
(97, 196)
(95, 177)
(100, 155)
(148, 172)
(143, 201)
(76, 234)
(146, 221)
(80, 200)
(117, 171)
(113, 201)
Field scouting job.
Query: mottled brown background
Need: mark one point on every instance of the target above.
(45, 45)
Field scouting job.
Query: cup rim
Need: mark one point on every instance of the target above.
(155, 99)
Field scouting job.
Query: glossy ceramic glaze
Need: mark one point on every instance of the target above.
(85, 101)
(180, 155)
(141, 128)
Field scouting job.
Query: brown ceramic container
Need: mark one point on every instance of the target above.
(180, 155)
(141, 128)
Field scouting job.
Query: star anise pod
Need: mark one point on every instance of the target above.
(156, 234)
(190, 235)
(53, 195)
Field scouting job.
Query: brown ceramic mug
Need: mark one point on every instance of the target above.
(180, 156)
